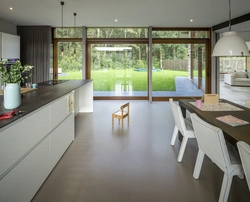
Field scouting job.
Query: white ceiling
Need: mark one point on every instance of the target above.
(130, 13)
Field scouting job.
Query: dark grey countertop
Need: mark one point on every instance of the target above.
(45, 94)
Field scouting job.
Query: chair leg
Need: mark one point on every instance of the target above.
(112, 121)
(122, 123)
(175, 133)
(225, 188)
(198, 164)
(182, 149)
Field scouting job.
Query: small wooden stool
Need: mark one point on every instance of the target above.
(121, 114)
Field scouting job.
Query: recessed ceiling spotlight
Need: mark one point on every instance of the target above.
(191, 20)
(11, 8)
(116, 20)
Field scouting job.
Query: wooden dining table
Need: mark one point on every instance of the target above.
(232, 134)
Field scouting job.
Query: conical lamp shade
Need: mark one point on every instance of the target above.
(230, 44)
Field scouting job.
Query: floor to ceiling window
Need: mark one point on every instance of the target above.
(229, 65)
(70, 61)
(180, 62)
(118, 62)
(119, 69)
(67, 53)
(198, 54)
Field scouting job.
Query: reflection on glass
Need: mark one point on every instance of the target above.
(117, 32)
(199, 65)
(70, 63)
(180, 34)
(68, 32)
(175, 69)
(119, 69)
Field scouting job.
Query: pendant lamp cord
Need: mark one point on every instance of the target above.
(74, 24)
(74, 33)
(62, 3)
(62, 49)
(230, 15)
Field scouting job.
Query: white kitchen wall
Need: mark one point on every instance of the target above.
(9, 46)
(7, 27)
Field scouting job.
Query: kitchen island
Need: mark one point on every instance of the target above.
(33, 142)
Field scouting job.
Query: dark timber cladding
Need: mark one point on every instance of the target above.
(234, 21)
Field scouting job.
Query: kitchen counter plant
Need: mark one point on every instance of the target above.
(11, 77)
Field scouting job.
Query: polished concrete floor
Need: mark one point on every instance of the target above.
(237, 94)
(136, 164)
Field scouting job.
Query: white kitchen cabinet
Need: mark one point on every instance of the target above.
(61, 138)
(60, 109)
(86, 97)
(25, 179)
(9, 46)
(32, 146)
(18, 140)
(62, 126)
(76, 103)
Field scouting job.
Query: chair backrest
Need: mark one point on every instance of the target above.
(211, 141)
(178, 117)
(247, 103)
(125, 109)
(244, 150)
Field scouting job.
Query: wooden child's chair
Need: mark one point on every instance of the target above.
(121, 114)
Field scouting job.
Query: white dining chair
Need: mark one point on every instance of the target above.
(244, 150)
(211, 142)
(247, 103)
(184, 125)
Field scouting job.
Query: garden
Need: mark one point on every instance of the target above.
(105, 80)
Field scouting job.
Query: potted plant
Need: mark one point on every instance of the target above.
(11, 77)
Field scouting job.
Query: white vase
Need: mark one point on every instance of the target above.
(12, 96)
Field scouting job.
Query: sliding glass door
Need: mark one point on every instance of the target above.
(180, 63)
(119, 69)
(198, 65)
(118, 61)
(178, 70)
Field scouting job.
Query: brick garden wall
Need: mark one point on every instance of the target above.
(226, 64)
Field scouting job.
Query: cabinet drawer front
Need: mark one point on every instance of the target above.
(61, 138)
(17, 141)
(59, 110)
(21, 184)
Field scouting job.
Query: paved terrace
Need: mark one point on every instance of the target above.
(184, 87)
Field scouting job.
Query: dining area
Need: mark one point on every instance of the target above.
(222, 131)
(136, 163)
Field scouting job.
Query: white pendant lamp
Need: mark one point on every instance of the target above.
(230, 44)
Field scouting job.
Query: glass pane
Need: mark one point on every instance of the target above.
(119, 69)
(199, 65)
(232, 64)
(70, 62)
(172, 66)
(51, 62)
(117, 32)
(180, 34)
(68, 32)
(228, 89)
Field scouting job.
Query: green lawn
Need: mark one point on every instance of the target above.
(70, 75)
(105, 80)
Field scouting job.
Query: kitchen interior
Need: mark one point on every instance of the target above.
(56, 103)
(35, 132)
